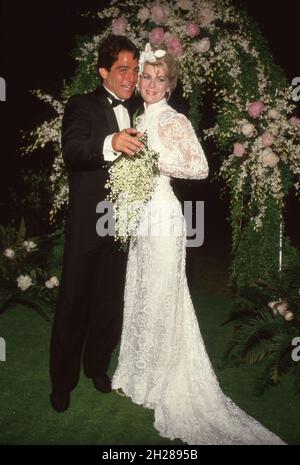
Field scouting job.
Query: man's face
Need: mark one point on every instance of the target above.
(123, 75)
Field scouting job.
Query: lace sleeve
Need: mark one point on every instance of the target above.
(183, 156)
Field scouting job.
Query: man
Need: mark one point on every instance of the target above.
(88, 317)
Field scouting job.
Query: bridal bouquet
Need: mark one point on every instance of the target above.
(131, 183)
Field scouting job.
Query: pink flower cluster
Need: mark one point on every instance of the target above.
(119, 26)
(192, 29)
(156, 36)
(173, 44)
(255, 109)
(239, 149)
(295, 121)
(160, 13)
(267, 139)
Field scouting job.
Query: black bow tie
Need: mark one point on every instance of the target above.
(114, 101)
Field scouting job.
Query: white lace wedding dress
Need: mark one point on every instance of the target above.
(163, 364)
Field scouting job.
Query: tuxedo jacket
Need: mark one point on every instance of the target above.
(87, 120)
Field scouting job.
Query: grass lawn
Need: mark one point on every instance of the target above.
(26, 416)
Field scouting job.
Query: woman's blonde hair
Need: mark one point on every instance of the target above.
(169, 65)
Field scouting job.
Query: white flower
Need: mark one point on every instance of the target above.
(143, 14)
(149, 56)
(206, 16)
(274, 114)
(201, 46)
(52, 282)
(131, 183)
(24, 282)
(248, 129)
(288, 316)
(29, 245)
(281, 307)
(269, 158)
(9, 253)
(185, 4)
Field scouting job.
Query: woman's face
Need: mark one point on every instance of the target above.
(153, 84)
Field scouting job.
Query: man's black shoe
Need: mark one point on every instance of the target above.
(60, 401)
(102, 383)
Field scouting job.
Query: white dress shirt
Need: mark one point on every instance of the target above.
(123, 123)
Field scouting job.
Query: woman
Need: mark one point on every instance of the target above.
(163, 363)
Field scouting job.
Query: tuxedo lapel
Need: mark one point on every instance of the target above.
(111, 120)
(110, 116)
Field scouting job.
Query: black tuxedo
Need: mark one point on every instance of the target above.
(89, 311)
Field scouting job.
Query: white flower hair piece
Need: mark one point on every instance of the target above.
(150, 56)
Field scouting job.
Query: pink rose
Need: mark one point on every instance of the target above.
(143, 14)
(255, 109)
(173, 44)
(267, 139)
(192, 29)
(239, 149)
(159, 14)
(156, 36)
(119, 26)
(294, 121)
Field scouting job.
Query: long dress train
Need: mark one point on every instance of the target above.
(163, 364)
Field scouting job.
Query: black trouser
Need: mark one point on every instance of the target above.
(89, 311)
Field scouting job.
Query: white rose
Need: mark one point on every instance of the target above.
(9, 253)
(29, 245)
(24, 282)
(185, 4)
(274, 114)
(282, 307)
(206, 16)
(54, 281)
(248, 129)
(201, 46)
(269, 158)
(288, 316)
(143, 14)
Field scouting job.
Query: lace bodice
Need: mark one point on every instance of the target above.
(171, 134)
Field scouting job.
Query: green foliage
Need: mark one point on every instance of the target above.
(266, 319)
(195, 103)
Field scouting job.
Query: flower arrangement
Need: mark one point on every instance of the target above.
(131, 184)
(24, 275)
(220, 51)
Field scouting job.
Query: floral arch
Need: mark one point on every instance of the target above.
(255, 131)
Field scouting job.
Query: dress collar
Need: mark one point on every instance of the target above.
(154, 108)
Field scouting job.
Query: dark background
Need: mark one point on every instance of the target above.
(36, 41)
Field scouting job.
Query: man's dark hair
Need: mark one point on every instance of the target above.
(110, 49)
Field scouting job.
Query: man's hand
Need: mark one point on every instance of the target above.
(127, 141)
